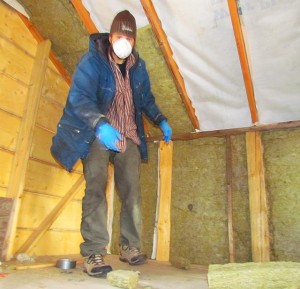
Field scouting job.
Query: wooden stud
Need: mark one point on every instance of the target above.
(238, 33)
(260, 236)
(24, 141)
(49, 220)
(168, 55)
(229, 199)
(164, 209)
(110, 190)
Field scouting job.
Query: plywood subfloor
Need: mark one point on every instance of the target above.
(154, 275)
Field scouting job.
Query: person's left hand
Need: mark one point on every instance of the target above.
(167, 130)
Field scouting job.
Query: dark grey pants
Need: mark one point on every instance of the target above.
(94, 206)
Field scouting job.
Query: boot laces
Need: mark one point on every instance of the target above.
(134, 250)
(95, 259)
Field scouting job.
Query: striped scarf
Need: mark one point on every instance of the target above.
(121, 114)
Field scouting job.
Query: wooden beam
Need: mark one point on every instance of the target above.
(260, 237)
(226, 132)
(61, 69)
(168, 55)
(85, 16)
(229, 199)
(164, 209)
(35, 266)
(110, 191)
(24, 140)
(239, 38)
(49, 220)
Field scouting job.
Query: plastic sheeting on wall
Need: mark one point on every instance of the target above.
(273, 35)
(201, 36)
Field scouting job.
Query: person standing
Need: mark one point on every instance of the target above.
(101, 123)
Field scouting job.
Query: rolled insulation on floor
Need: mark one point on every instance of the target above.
(267, 275)
(123, 278)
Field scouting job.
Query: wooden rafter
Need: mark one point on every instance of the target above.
(85, 16)
(239, 38)
(168, 55)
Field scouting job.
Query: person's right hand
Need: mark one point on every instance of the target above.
(108, 136)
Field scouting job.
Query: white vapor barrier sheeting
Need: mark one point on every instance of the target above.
(201, 36)
(273, 35)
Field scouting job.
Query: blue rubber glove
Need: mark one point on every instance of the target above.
(108, 136)
(167, 130)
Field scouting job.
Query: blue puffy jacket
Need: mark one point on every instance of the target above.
(90, 96)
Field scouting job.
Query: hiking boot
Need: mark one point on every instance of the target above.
(94, 266)
(132, 255)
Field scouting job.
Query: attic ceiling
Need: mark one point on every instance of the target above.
(203, 38)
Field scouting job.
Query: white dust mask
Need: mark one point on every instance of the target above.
(122, 48)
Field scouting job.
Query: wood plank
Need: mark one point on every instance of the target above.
(42, 140)
(260, 236)
(55, 88)
(15, 62)
(42, 158)
(239, 38)
(164, 210)
(50, 218)
(35, 266)
(168, 55)
(48, 180)
(9, 128)
(229, 199)
(5, 167)
(12, 95)
(24, 141)
(3, 192)
(49, 114)
(17, 32)
(36, 207)
(62, 242)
